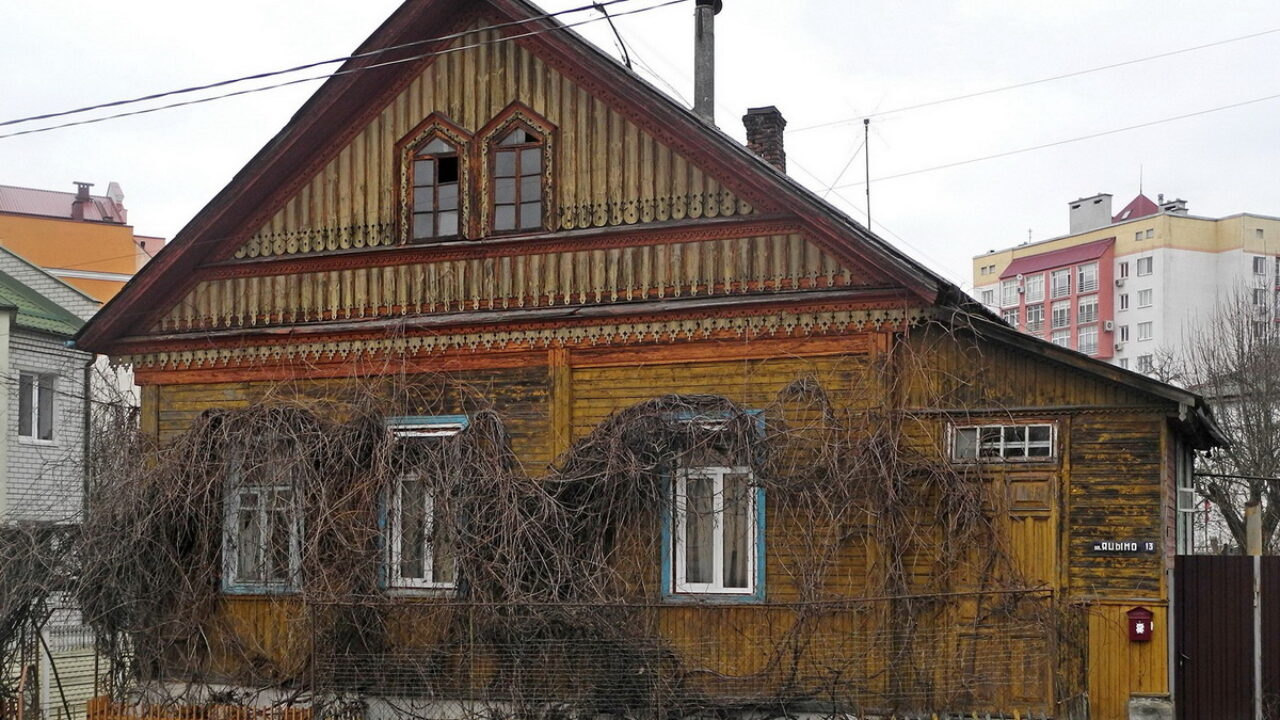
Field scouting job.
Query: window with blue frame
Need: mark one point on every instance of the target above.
(420, 545)
(713, 540)
(261, 550)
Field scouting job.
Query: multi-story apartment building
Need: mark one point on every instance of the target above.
(1132, 286)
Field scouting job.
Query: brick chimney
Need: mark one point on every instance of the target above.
(764, 134)
(82, 197)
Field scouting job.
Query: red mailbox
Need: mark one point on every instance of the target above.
(1141, 624)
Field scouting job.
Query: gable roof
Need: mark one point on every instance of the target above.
(1139, 207)
(356, 90)
(34, 310)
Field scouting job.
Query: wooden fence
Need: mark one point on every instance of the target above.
(101, 708)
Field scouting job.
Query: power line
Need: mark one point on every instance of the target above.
(299, 68)
(1066, 141)
(1029, 83)
(336, 73)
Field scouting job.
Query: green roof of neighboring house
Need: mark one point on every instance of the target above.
(35, 311)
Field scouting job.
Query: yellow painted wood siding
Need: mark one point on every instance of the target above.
(607, 170)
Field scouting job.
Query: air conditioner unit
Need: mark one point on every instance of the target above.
(1119, 346)
(1021, 289)
(1109, 325)
(1119, 282)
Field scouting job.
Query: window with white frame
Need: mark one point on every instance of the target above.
(1123, 270)
(1002, 442)
(1035, 318)
(36, 405)
(420, 549)
(1260, 297)
(1010, 315)
(715, 542)
(1145, 330)
(1145, 266)
(1145, 363)
(1060, 283)
(1008, 293)
(1087, 309)
(261, 531)
(989, 297)
(1259, 265)
(1033, 288)
(1087, 277)
(1123, 335)
(1144, 298)
(1087, 339)
(1124, 363)
(1060, 314)
(1124, 301)
(1061, 338)
(1150, 233)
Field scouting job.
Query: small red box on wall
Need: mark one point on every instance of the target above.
(1141, 624)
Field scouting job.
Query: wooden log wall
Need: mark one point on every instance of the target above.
(608, 170)
(715, 267)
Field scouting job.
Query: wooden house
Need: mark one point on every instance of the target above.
(694, 441)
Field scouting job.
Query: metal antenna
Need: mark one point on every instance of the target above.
(866, 150)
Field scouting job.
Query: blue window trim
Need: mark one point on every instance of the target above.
(669, 593)
(229, 587)
(384, 512)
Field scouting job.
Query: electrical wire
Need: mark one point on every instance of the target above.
(336, 73)
(1029, 83)
(1066, 141)
(306, 66)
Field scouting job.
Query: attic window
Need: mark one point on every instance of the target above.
(518, 181)
(436, 174)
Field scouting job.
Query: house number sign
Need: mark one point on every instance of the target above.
(1122, 547)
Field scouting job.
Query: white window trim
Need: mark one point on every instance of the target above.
(716, 587)
(394, 579)
(34, 438)
(230, 540)
(953, 430)
(411, 429)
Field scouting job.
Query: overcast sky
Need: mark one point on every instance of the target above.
(818, 60)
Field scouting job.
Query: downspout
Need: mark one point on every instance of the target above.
(87, 398)
(6, 323)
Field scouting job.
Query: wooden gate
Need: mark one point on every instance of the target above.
(1215, 636)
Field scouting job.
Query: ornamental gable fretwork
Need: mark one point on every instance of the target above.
(606, 170)
(703, 268)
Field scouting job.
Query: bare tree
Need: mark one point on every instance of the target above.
(1232, 357)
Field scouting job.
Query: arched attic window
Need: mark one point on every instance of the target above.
(517, 181)
(434, 181)
(436, 198)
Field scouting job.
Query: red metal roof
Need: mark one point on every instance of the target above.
(1057, 258)
(1138, 207)
(54, 203)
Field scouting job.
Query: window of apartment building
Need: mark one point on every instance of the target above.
(1033, 288)
(1087, 339)
(1145, 330)
(1010, 316)
(1145, 266)
(1144, 298)
(1123, 301)
(1150, 233)
(1008, 292)
(1124, 363)
(1087, 309)
(36, 405)
(1260, 297)
(1257, 232)
(262, 528)
(1002, 442)
(1137, 235)
(984, 270)
(1060, 283)
(420, 547)
(1060, 314)
(1061, 338)
(1123, 334)
(1122, 271)
(1035, 318)
(988, 297)
(1087, 278)
(1259, 265)
(1145, 363)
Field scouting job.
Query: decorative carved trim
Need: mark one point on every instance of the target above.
(740, 326)
(517, 113)
(436, 125)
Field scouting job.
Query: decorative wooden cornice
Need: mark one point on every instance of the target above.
(508, 245)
